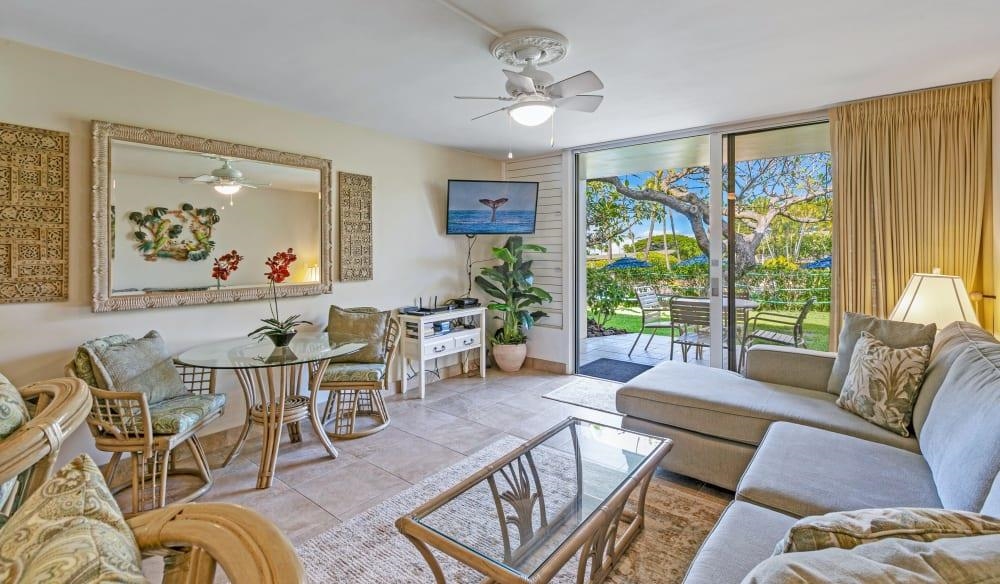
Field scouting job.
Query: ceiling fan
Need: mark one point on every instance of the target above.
(226, 179)
(533, 93)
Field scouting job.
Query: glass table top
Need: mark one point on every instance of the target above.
(544, 494)
(245, 353)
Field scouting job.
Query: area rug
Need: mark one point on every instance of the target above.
(596, 394)
(613, 369)
(368, 549)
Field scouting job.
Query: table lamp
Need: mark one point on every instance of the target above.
(934, 298)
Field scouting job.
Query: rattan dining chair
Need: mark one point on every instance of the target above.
(124, 422)
(355, 390)
(655, 314)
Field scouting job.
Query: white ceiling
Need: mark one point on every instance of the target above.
(394, 65)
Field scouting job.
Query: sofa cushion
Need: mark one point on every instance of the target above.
(141, 365)
(179, 414)
(961, 560)
(359, 325)
(961, 436)
(743, 537)
(807, 471)
(70, 530)
(849, 529)
(721, 403)
(883, 382)
(949, 344)
(897, 335)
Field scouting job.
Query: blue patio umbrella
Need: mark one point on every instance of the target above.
(820, 264)
(695, 261)
(626, 263)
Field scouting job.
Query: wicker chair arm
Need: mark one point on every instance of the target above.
(63, 404)
(195, 537)
(123, 415)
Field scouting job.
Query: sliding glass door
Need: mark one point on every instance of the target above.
(680, 252)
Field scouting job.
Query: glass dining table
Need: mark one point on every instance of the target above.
(271, 379)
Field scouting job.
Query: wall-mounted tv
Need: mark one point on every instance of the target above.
(491, 206)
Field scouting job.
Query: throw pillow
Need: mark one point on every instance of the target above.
(141, 365)
(897, 335)
(70, 530)
(959, 560)
(849, 529)
(13, 415)
(882, 383)
(359, 325)
(83, 364)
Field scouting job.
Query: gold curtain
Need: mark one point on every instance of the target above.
(911, 184)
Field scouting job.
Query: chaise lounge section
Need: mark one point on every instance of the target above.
(778, 440)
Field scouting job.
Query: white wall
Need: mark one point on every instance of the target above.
(412, 255)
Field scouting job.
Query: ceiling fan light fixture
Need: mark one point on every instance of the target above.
(227, 189)
(531, 113)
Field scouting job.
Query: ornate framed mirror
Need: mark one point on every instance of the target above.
(166, 206)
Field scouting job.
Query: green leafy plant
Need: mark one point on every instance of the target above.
(512, 284)
(605, 294)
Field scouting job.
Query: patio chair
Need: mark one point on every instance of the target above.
(653, 311)
(149, 424)
(690, 319)
(761, 328)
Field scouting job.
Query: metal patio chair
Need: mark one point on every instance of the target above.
(655, 314)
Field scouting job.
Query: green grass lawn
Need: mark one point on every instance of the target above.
(817, 326)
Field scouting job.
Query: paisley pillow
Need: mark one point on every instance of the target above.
(882, 383)
(83, 364)
(70, 530)
(13, 415)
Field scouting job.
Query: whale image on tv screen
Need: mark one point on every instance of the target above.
(500, 207)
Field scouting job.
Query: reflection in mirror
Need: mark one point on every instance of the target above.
(175, 212)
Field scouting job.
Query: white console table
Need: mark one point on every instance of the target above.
(419, 346)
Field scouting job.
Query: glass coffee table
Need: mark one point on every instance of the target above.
(576, 489)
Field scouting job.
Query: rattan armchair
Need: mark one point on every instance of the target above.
(121, 423)
(30, 452)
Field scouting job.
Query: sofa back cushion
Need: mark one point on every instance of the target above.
(949, 344)
(961, 437)
(898, 335)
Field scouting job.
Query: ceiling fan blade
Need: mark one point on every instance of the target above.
(200, 178)
(521, 83)
(492, 98)
(583, 83)
(254, 185)
(503, 109)
(580, 103)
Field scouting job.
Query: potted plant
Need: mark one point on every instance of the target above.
(512, 284)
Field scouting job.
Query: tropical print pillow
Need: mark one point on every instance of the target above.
(882, 383)
(849, 529)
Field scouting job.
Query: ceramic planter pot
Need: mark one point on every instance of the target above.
(510, 357)
(281, 339)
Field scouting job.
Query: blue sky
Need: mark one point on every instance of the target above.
(464, 196)
(681, 224)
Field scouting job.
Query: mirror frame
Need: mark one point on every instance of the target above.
(103, 301)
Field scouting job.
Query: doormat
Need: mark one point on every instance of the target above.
(613, 369)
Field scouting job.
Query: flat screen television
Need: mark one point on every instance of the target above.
(491, 206)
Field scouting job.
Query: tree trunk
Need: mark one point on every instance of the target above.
(666, 253)
(649, 238)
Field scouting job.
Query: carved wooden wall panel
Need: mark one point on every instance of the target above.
(355, 227)
(34, 214)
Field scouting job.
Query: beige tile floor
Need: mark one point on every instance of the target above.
(313, 492)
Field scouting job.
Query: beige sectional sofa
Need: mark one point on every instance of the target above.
(778, 440)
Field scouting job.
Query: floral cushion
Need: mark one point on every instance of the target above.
(180, 414)
(85, 367)
(359, 325)
(70, 531)
(849, 529)
(354, 372)
(13, 415)
(140, 365)
(882, 383)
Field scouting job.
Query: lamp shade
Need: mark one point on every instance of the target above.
(934, 298)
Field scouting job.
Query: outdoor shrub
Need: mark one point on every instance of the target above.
(779, 264)
(605, 293)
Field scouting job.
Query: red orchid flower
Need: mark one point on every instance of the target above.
(225, 265)
(278, 264)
